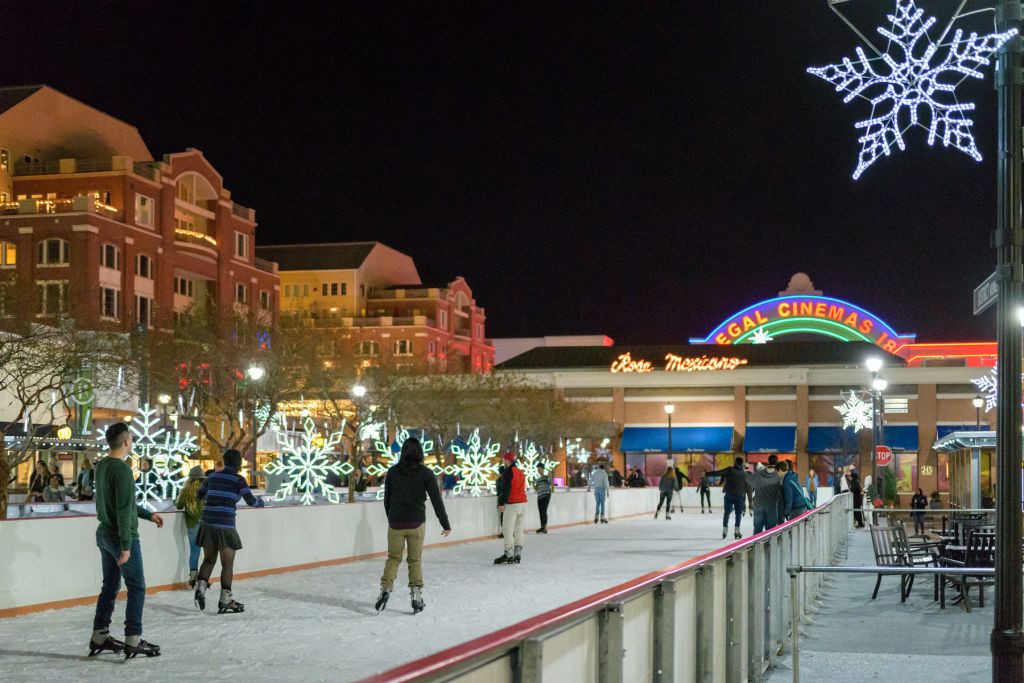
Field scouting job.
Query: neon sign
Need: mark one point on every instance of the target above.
(820, 315)
(674, 363)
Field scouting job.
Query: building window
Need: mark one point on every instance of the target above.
(53, 252)
(305, 290)
(144, 311)
(5, 160)
(362, 290)
(367, 348)
(8, 254)
(241, 296)
(110, 303)
(287, 291)
(265, 300)
(144, 266)
(186, 190)
(52, 297)
(241, 245)
(334, 289)
(110, 257)
(183, 286)
(344, 288)
(443, 317)
(479, 331)
(432, 347)
(323, 289)
(144, 210)
(403, 347)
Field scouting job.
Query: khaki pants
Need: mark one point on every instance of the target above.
(398, 540)
(512, 526)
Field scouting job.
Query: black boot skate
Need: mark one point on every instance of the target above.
(517, 554)
(416, 593)
(142, 648)
(382, 600)
(227, 604)
(108, 645)
(200, 594)
(505, 559)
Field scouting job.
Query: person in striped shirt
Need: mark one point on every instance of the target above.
(217, 535)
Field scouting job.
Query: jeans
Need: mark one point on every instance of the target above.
(733, 502)
(134, 578)
(398, 541)
(542, 508)
(193, 549)
(599, 494)
(765, 518)
(919, 522)
(705, 494)
(666, 498)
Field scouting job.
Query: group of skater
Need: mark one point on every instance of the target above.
(208, 501)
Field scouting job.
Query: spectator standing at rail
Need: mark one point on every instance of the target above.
(86, 480)
(858, 499)
(919, 503)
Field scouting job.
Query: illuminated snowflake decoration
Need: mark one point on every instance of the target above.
(305, 463)
(276, 422)
(529, 458)
(379, 469)
(914, 81)
(988, 387)
(856, 413)
(574, 450)
(475, 465)
(166, 449)
(760, 336)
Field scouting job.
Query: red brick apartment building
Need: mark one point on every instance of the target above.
(371, 297)
(101, 228)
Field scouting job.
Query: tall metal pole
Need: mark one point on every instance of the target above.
(670, 438)
(1007, 640)
(874, 445)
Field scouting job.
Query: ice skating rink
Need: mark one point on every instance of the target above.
(320, 625)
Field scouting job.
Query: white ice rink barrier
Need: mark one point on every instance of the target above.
(721, 617)
(53, 562)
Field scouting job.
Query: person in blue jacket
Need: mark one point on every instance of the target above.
(794, 501)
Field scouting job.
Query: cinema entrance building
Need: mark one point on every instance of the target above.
(768, 380)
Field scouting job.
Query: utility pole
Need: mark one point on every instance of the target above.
(1007, 640)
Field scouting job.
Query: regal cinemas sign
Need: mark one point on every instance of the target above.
(674, 363)
(836, 319)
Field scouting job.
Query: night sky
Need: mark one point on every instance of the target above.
(640, 170)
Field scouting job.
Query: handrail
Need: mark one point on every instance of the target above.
(509, 637)
(944, 511)
(872, 569)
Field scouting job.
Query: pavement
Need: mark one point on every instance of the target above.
(855, 638)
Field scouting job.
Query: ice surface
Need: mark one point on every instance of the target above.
(319, 625)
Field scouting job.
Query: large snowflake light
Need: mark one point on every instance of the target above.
(167, 450)
(910, 81)
(391, 457)
(305, 464)
(529, 459)
(475, 465)
(988, 385)
(856, 413)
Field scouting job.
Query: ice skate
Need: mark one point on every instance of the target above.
(505, 559)
(737, 534)
(131, 651)
(200, 595)
(416, 593)
(109, 644)
(193, 576)
(667, 517)
(604, 520)
(725, 531)
(227, 604)
(595, 519)
(518, 554)
(382, 600)
(542, 530)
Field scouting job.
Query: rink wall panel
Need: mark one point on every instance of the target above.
(53, 562)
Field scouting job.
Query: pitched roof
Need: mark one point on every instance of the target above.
(16, 94)
(336, 256)
(774, 354)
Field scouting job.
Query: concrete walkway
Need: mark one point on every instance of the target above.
(855, 638)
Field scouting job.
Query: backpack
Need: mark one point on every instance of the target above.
(798, 494)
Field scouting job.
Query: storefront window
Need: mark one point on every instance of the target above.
(826, 464)
(906, 472)
(942, 473)
(988, 479)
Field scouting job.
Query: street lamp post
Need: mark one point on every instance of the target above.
(978, 402)
(1007, 639)
(874, 366)
(255, 373)
(669, 409)
(164, 400)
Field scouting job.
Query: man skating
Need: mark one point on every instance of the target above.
(117, 537)
(512, 504)
(704, 489)
(736, 489)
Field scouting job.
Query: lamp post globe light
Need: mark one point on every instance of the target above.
(164, 400)
(255, 372)
(873, 364)
(358, 391)
(977, 402)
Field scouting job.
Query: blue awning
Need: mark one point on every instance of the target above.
(684, 439)
(946, 430)
(900, 437)
(831, 440)
(773, 439)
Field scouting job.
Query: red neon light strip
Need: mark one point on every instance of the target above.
(439, 661)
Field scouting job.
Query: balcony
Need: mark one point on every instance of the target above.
(199, 239)
(391, 294)
(100, 165)
(80, 204)
(325, 320)
(264, 265)
(242, 211)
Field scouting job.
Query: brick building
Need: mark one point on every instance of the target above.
(100, 228)
(371, 299)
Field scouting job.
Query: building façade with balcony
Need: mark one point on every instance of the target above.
(98, 227)
(370, 302)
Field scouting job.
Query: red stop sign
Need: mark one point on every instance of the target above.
(883, 455)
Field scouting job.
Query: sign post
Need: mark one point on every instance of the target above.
(986, 294)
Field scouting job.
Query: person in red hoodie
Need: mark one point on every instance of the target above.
(512, 504)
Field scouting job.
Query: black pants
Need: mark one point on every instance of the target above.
(705, 494)
(542, 508)
(666, 498)
(858, 517)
